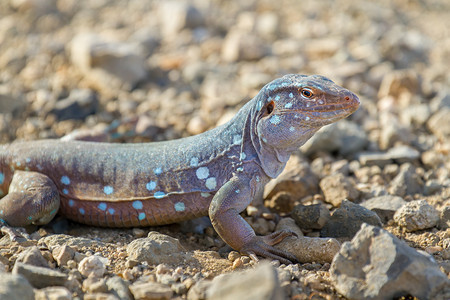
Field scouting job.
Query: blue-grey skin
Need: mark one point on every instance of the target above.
(218, 172)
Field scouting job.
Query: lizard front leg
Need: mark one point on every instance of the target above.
(32, 199)
(231, 199)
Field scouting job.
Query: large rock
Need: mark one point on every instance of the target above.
(259, 283)
(417, 215)
(337, 188)
(155, 249)
(107, 64)
(297, 179)
(384, 206)
(347, 219)
(40, 277)
(344, 136)
(15, 286)
(377, 265)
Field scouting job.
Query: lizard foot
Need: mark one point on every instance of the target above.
(263, 246)
(15, 234)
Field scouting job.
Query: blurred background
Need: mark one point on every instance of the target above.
(139, 71)
(155, 70)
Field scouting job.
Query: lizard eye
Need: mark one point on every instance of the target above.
(307, 93)
(270, 107)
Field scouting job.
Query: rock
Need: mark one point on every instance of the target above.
(296, 179)
(10, 104)
(62, 254)
(393, 132)
(175, 16)
(444, 217)
(32, 256)
(310, 216)
(415, 115)
(439, 124)
(417, 215)
(407, 182)
(377, 265)
(384, 206)
(344, 136)
(95, 285)
(239, 46)
(53, 293)
(337, 188)
(281, 202)
(106, 64)
(79, 105)
(441, 100)
(397, 82)
(92, 266)
(150, 291)
(347, 219)
(15, 286)
(157, 248)
(289, 224)
(310, 249)
(399, 154)
(258, 283)
(119, 288)
(62, 239)
(198, 290)
(39, 277)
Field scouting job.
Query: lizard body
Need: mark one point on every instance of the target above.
(218, 172)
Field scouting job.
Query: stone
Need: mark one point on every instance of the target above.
(439, 124)
(417, 215)
(399, 154)
(95, 285)
(444, 217)
(258, 283)
(397, 82)
(347, 219)
(53, 293)
(106, 64)
(40, 277)
(15, 286)
(337, 188)
(377, 265)
(62, 239)
(239, 46)
(344, 137)
(281, 202)
(313, 216)
(289, 224)
(32, 256)
(150, 291)
(441, 100)
(62, 254)
(175, 16)
(407, 182)
(415, 115)
(92, 266)
(79, 105)
(157, 248)
(310, 249)
(296, 179)
(385, 206)
(198, 290)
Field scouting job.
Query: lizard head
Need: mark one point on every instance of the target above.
(292, 108)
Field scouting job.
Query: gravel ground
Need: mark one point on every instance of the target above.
(140, 71)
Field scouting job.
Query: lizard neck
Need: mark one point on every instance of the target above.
(270, 158)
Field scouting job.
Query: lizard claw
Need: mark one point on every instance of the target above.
(263, 246)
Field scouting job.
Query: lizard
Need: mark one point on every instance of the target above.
(215, 173)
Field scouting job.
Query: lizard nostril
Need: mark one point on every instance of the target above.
(347, 98)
